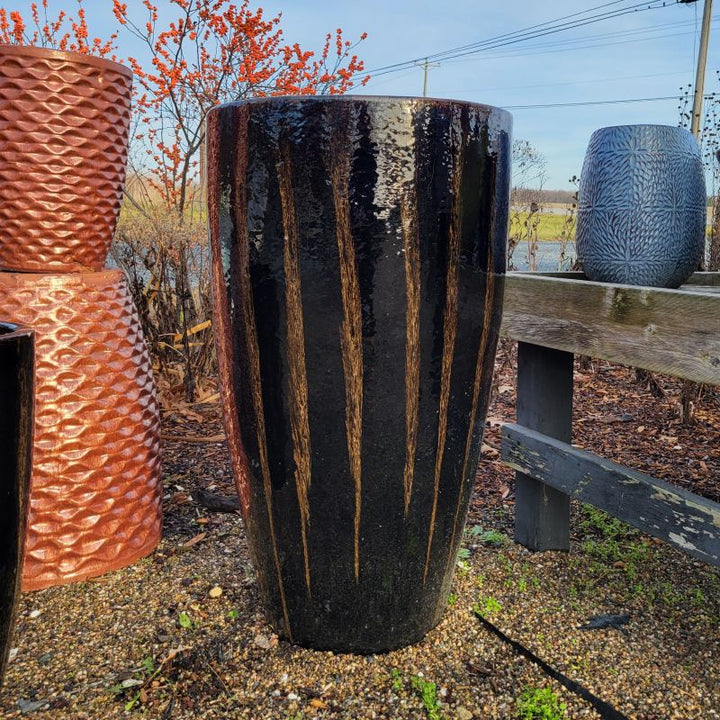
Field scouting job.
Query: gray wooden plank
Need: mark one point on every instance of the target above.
(688, 521)
(676, 332)
(707, 279)
(544, 403)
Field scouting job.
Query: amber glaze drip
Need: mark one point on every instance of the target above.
(296, 350)
(449, 335)
(351, 330)
(412, 343)
(253, 350)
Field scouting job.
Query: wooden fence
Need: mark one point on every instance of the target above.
(556, 316)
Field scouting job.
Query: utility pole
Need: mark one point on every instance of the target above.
(700, 71)
(426, 65)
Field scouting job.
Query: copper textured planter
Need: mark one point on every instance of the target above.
(358, 254)
(64, 123)
(95, 503)
(16, 404)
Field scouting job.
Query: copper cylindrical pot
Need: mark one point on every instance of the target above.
(64, 124)
(16, 405)
(95, 503)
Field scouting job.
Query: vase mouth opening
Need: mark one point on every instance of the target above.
(643, 126)
(69, 55)
(372, 99)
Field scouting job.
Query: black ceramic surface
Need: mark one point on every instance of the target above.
(358, 252)
(16, 401)
(641, 207)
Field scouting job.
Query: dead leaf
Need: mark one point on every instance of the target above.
(195, 540)
(489, 451)
(181, 498)
(319, 704)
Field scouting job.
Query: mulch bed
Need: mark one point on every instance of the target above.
(182, 635)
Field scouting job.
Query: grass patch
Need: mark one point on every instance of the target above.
(549, 226)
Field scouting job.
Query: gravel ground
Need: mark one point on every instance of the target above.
(182, 635)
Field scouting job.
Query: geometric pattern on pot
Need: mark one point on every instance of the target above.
(358, 258)
(95, 501)
(64, 123)
(641, 207)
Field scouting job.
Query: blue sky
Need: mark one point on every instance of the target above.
(643, 54)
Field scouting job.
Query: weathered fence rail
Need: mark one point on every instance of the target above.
(556, 316)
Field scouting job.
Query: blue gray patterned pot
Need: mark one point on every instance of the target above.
(641, 209)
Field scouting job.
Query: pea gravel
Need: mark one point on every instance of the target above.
(157, 640)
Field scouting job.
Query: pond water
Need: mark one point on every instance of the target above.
(547, 256)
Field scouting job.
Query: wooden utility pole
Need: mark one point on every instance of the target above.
(700, 70)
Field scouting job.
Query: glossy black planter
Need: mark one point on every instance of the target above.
(16, 405)
(358, 252)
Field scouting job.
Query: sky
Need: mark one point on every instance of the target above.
(645, 53)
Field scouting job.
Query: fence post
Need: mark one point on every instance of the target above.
(544, 404)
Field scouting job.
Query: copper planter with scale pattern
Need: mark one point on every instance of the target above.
(95, 503)
(64, 124)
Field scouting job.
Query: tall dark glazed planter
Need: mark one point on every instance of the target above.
(359, 251)
(16, 410)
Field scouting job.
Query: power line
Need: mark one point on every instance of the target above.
(650, 32)
(593, 102)
(525, 34)
(497, 37)
(527, 52)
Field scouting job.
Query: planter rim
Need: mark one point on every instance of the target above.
(646, 126)
(100, 277)
(70, 56)
(407, 99)
(10, 330)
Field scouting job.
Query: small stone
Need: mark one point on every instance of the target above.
(31, 706)
(262, 642)
(216, 592)
(45, 658)
(34, 614)
(292, 696)
(462, 713)
(12, 654)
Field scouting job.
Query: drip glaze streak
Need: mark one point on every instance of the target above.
(223, 334)
(482, 349)
(449, 329)
(489, 307)
(351, 330)
(253, 351)
(412, 344)
(296, 350)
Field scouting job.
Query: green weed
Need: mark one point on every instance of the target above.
(487, 606)
(428, 694)
(540, 704)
